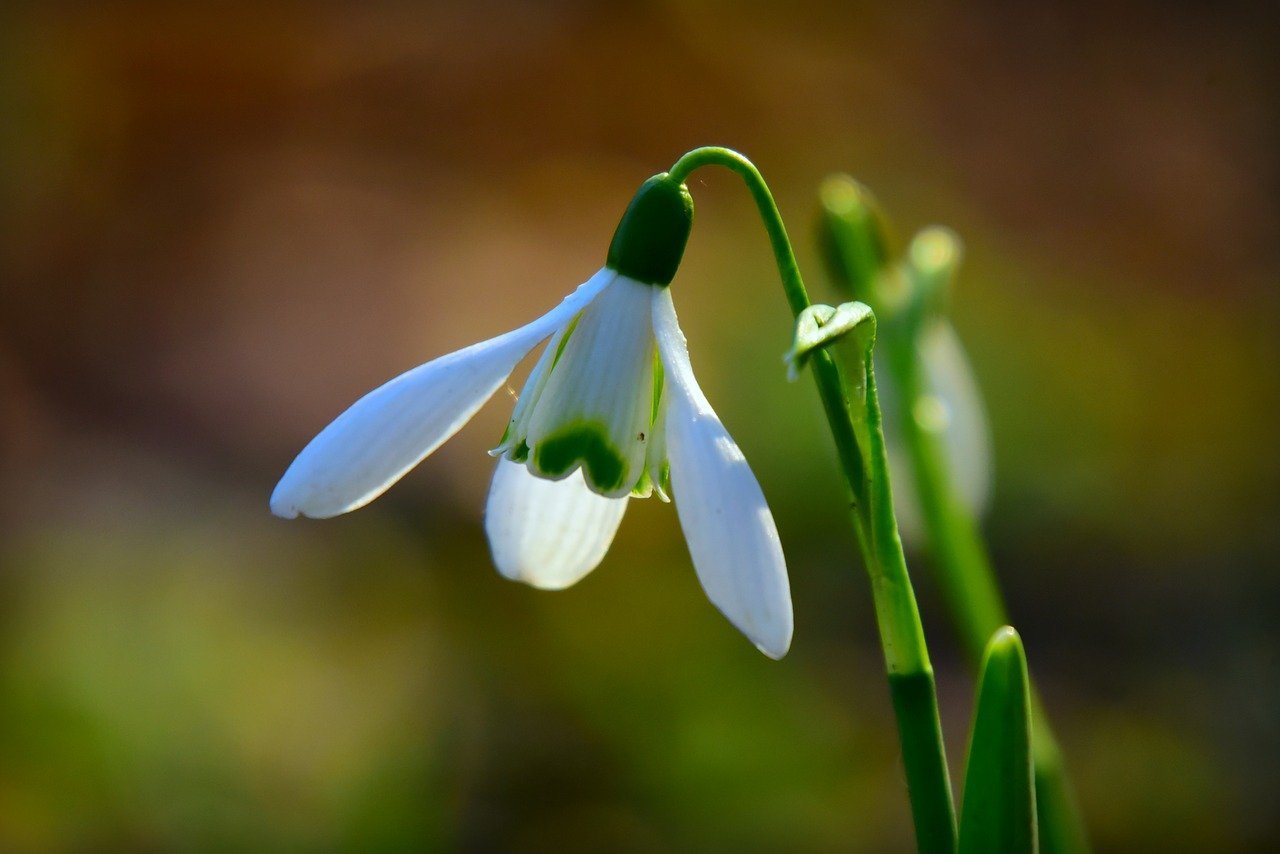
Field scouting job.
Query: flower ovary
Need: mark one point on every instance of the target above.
(649, 242)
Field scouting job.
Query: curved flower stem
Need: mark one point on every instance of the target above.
(865, 469)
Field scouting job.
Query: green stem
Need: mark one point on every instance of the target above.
(969, 586)
(859, 260)
(966, 579)
(906, 657)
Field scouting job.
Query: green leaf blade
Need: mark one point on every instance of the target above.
(999, 811)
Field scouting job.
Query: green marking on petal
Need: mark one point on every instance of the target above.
(520, 452)
(659, 377)
(564, 339)
(643, 487)
(586, 443)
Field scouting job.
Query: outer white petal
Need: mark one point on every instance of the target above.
(547, 533)
(731, 535)
(394, 427)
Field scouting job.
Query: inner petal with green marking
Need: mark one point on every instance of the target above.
(590, 402)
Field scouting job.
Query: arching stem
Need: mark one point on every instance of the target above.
(865, 470)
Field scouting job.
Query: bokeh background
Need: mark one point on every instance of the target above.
(221, 224)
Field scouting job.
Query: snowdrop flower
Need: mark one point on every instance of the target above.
(952, 407)
(610, 411)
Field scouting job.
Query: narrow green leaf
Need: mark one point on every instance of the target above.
(999, 811)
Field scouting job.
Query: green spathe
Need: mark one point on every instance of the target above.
(650, 239)
(586, 443)
(853, 236)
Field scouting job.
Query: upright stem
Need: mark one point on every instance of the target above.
(968, 583)
(911, 679)
(966, 578)
(859, 260)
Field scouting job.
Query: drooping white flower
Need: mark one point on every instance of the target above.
(611, 410)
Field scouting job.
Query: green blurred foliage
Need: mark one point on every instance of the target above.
(219, 225)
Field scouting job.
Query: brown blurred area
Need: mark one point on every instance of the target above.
(221, 224)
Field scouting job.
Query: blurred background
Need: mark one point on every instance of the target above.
(220, 225)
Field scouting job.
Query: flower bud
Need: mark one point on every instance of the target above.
(853, 237)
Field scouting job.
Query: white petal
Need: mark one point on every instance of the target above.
(394, 427)
(967, 437)
(547, 533)
(732, 538)
(595, 408)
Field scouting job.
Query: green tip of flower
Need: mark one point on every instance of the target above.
(649, 242)
(586, 444)
(936, 248)
(932, 260)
